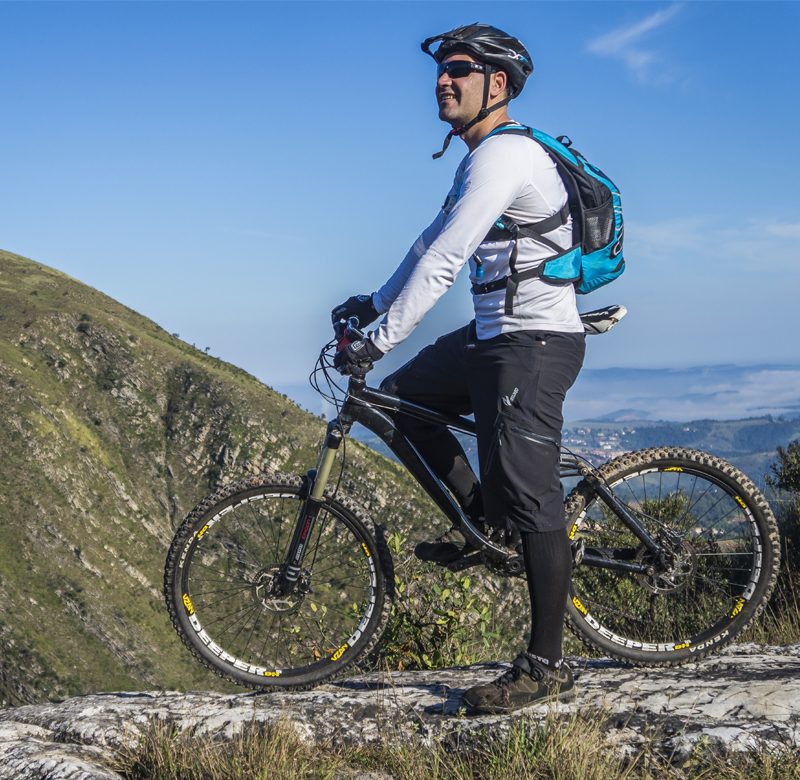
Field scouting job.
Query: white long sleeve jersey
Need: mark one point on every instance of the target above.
(505, 174)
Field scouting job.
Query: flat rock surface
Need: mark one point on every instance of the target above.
(744, 696)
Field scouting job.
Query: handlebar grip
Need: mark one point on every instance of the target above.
(347, 332)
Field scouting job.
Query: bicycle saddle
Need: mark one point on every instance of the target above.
(602, 320)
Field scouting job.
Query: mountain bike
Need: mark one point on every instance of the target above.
(282, 581)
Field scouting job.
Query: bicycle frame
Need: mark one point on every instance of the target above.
(375, 410)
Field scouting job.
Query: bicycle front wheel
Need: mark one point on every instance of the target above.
(219, 576)
(722, 557)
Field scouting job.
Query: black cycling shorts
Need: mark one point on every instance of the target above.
(515, 384)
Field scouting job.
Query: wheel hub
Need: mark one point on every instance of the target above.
(265, 590)
(675, 576)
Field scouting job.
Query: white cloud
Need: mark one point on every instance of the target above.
(711, 392)
(742, 246)
(669, 234)
(784, 229)
(625, 43)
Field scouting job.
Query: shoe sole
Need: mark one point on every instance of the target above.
(438, 562)
(561, 696)
(459, 556)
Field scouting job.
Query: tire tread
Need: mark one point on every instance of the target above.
(269, 480)
(580, 495)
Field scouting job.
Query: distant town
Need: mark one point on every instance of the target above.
(597, 444)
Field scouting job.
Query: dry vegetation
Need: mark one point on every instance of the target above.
(572, 749)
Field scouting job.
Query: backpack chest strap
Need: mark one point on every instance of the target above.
(506, 228)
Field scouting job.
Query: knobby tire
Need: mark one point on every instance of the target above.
(224, 559)
(727, 555)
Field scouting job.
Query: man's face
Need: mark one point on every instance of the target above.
(460, 99)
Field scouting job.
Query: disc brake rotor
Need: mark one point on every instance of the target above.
(264, 586)
(676, 576)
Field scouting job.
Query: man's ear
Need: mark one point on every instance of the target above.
(499, 84)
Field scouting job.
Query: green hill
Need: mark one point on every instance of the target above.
(111, 430)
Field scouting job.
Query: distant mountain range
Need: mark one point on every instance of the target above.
(724, 392)
(741, 413)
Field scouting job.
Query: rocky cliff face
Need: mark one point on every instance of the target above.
(740, 700)
(111, 430)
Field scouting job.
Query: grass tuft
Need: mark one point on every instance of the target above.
(572, 748)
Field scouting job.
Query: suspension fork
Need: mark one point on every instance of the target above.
(314, 484)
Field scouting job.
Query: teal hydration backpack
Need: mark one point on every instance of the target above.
(593, 201)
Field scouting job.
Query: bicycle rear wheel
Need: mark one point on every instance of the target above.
(723, 547)
(221, 566)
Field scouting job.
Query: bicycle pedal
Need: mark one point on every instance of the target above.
(512, 565)
(578, 549)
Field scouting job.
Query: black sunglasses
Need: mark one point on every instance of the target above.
(458, 69)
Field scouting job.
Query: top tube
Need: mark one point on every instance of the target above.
(360, 393)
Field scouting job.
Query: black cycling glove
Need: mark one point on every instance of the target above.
(360, 306)
(357, 358)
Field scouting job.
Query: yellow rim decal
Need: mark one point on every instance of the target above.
(577, 602)
(682, 645)
(740, 502)
(365, 549)
(187, 602)
(740, 602)
(674, 468)
(202, 532)
(573, 530)
(339, 653)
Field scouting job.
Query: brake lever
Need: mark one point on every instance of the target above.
(347, 332)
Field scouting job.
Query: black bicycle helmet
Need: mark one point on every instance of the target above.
(489, 45)
(494, 48)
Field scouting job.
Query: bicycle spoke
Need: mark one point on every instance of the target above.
(223, 574)
(206, 605)
(231, 589)
(256, 517)
(700, 523)
(229, 615)
(235, 571)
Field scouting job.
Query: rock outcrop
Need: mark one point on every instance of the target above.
(745, 697)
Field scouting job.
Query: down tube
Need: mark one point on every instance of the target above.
(383, 425)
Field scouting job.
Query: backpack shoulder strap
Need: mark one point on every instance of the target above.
(505, 227)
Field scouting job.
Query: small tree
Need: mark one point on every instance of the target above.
(785, 480)
(786, 472)
(782, 622)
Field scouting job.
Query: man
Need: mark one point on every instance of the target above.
(513, 364)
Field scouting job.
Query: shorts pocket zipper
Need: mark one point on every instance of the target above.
(533, 437)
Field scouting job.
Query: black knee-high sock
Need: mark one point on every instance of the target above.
(548, 564)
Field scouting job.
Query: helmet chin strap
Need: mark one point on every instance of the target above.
(482, 114)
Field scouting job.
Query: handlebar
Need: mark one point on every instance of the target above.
(347, 332)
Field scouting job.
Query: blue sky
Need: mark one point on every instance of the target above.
(233, 170)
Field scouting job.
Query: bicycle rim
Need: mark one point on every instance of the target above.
(721, 560)
(227, 568)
